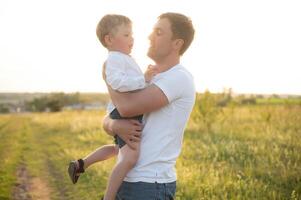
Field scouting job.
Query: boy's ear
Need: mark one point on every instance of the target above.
(108, 40)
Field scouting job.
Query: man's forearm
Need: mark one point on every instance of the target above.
(140, 102)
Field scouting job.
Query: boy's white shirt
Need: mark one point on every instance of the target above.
(162, 135)
(123, 74)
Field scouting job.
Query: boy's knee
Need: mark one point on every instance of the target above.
(131, 158)
(116, 149)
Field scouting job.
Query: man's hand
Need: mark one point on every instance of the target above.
(129, 130)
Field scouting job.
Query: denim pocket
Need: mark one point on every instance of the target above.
(171, 190)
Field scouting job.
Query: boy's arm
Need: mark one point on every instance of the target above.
(131, 104)
(116, 76)
(107, 125)
(150, 72)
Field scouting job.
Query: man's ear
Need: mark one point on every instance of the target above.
(178, 43)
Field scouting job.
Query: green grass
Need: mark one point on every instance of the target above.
(279, 101)
(12, 137)
(250, 152)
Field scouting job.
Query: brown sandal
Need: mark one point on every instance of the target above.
(74, 172)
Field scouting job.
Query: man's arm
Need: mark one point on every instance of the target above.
(131, 104)
(136, 103)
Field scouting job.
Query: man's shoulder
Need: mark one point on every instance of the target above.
(182, 70)
(180, 73)
(176, 83)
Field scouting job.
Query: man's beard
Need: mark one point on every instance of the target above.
(157, 56)
(150, 53)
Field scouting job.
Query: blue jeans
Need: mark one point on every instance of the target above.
(146, 191)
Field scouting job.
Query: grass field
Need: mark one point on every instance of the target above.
(247, 152)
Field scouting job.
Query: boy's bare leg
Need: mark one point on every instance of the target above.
(128, 159)
(102, 153)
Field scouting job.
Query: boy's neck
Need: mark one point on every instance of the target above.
(114, 50)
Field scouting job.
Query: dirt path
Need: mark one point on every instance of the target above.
(29, 188)
(62, 190)
(21, 189)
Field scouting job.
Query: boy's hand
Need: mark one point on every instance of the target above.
(150, 72)
(128, 130)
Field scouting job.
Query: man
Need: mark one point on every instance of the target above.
(167, 103)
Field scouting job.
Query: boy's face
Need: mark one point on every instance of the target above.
(160, 40)
(122, 40)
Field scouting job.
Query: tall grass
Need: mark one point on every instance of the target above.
(231, 152)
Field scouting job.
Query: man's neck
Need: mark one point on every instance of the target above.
(167, 63)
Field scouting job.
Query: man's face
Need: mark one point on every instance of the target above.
(160, 40)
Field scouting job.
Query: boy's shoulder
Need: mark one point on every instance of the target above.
(117, 55)
(120, 59)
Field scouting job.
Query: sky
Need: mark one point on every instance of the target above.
(249, 46)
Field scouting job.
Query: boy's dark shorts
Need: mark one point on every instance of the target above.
(116, 115)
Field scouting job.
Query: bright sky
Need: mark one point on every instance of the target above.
(250, 46)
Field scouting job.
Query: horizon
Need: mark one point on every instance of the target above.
(197, 92)
(251, 47)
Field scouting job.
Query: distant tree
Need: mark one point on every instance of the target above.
(248, 101)
(275, 96)
(37, 104)
(54, 102)
(4, 108)
(73, 98)
(54, 105)
(225, 98)
(206, 110)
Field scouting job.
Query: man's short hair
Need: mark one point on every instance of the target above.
(181, 27)
(109, 25)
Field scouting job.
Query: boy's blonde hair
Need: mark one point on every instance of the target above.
(109, 25)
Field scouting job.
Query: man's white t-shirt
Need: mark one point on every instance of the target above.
(162, 135)
(123, 74)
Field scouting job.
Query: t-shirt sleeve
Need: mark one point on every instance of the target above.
(117, 77)
(172, 85)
